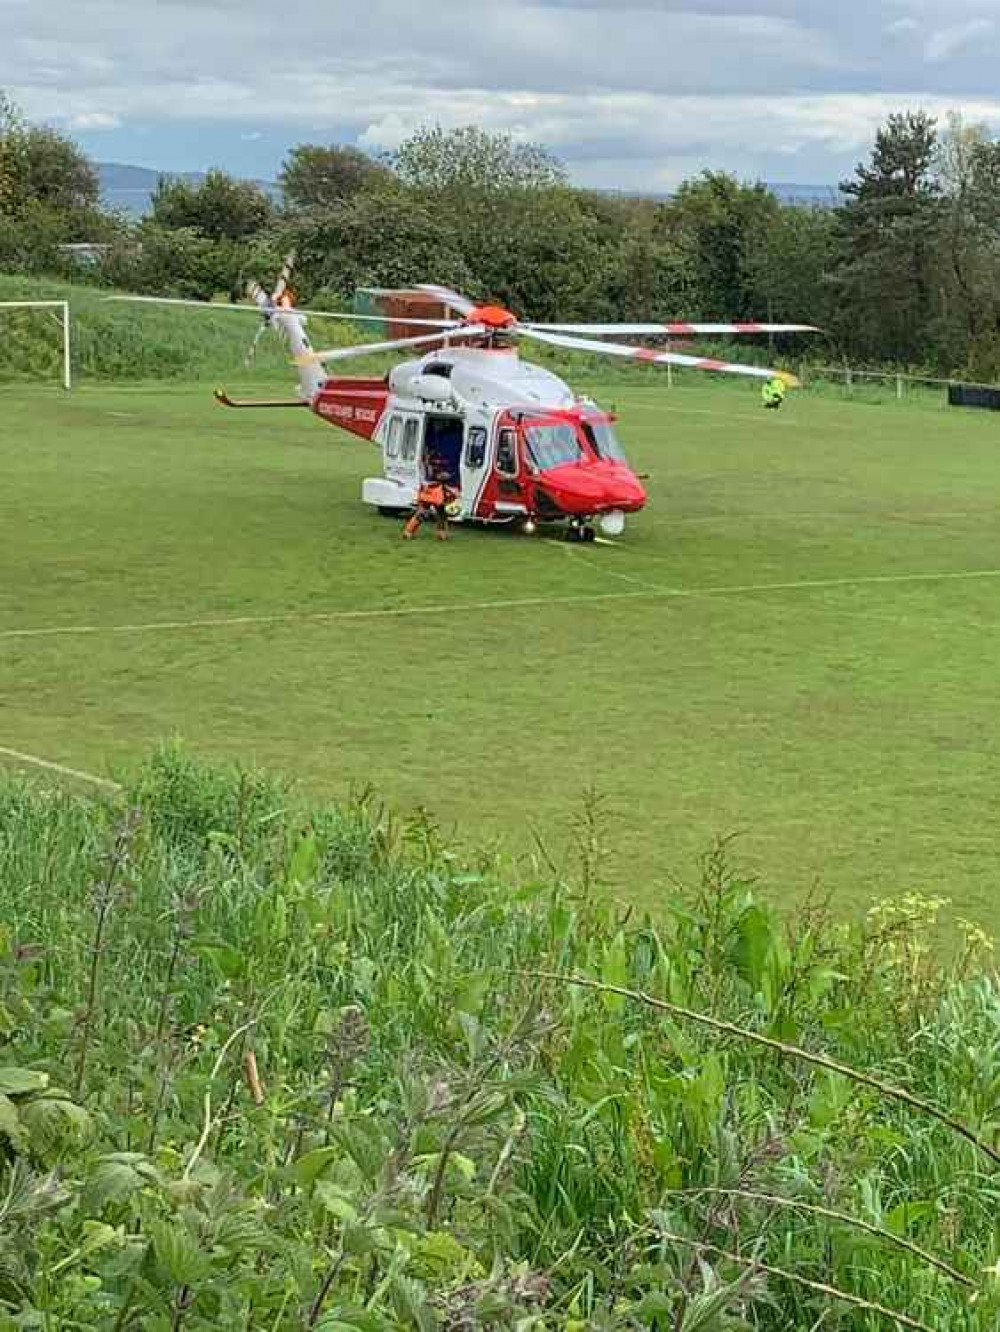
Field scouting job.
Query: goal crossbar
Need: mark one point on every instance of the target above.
(63, 307)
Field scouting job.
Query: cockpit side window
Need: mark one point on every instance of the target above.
(552, 444)
(604, 441)
(507, 452)
(475, 448)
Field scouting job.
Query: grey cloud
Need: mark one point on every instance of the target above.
(617, 86)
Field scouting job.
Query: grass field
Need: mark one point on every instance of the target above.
(797, 641)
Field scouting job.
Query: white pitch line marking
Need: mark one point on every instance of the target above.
(647, 592)
(891, 515)
(574, 552)
(33, 761)
(310, 617)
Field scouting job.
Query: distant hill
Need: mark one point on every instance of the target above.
(130, 188)
(814, 196)
(800, 196)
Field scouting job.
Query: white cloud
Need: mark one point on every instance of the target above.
(626, 90)
(94, 120)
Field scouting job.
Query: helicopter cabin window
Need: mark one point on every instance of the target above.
(606, 443)
(475, 449)
(410, 439)
(392, 441)
(552, 445)
(441, 368)
(507, 453)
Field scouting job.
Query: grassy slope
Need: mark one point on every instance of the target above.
(440, 1134)
(118, 342)
(848, 730)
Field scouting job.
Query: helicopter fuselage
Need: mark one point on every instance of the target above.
(513, 438)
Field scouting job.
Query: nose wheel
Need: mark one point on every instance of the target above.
(580, 531)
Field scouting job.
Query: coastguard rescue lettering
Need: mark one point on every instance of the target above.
(338, 411)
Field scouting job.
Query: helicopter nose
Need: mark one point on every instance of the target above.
(589, 488)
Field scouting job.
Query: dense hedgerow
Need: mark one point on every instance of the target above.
(271, 1065)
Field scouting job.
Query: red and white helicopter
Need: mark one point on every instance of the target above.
(515, 440)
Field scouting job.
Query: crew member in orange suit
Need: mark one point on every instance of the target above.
(434, 500)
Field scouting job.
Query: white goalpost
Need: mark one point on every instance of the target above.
(62, 318)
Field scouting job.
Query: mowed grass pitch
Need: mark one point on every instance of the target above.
(844, 722)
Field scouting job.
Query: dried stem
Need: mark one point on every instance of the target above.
(833, 1292)
(886, 1089)
(208, 1121)
(105, 900)
(793, 1204)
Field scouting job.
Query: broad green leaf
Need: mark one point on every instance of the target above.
(752, 947)
(353, 1318)
(55, 1122)
(902, 1218)
(22, 1081)
(11, 1127)
(359, 1240)
(179, 1253)
(304, 862)
(308, 1168)
(111, 1181)
(229, 962)
(97, 1236)
(336, 1203)
(614, 971)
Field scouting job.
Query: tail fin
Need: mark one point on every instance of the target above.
(279, 313)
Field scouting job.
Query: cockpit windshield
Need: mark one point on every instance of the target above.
(552, 444)
(606, 443)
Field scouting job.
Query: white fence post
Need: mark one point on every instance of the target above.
(67, 353)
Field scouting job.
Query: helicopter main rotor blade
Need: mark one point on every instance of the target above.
(652, 357)
(370, 348)
(448, 297)
(445, 324)
(283, 277)
(673, 329)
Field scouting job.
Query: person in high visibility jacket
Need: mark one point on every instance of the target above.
(773, 393)
(437, 498)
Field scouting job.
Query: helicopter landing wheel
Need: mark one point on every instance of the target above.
(581, 532)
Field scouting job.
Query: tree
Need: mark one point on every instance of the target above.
(40, 166)
(967, 269)
(720, 215)
(376, 239)
(318, 176)
(536, 251)
(474, 160)
(10, 144)
(888, 235)
(786, 265)
(217, 208)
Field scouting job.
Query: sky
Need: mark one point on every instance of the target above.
(631, 94)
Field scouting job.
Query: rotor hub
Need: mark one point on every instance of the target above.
(491, 316)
